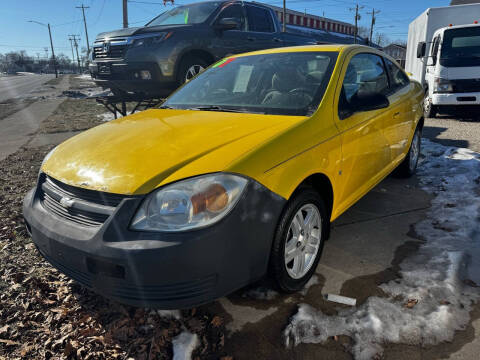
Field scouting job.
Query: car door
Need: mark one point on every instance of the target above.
(261, 28)
(232, 41)
(365, 150)
(398, 125)
(431, 64)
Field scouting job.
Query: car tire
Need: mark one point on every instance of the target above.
(429, 110)
(189, 68)
(408, 167)
(289, 275)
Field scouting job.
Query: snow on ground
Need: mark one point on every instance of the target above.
(439, 275)
(183, 345)
(84, 76)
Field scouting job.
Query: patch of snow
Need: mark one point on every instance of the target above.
(108, 116)
(183, 345)
(175, 314)
(435, 276)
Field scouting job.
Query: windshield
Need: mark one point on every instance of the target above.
(283, 84)
(461, 47)
(187, 14)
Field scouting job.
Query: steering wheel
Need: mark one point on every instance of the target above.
(305, 93)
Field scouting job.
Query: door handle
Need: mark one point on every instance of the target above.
(276, 39)
(396, 115)
(251, 39)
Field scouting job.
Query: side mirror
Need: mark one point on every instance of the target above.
(368, 101)
(421, 49)
(227, 24)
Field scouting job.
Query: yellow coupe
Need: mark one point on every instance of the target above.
(240, 171)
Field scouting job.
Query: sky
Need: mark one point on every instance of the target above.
(16, 33)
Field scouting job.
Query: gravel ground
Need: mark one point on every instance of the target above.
(460, 131)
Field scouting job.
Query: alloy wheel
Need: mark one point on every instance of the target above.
(303, 241)
(193, 71)
(414, 151)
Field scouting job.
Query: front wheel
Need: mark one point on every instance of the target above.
(299, 239)
(429, 110)
(408, 167)
(189, 68)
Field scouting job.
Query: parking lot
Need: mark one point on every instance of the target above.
(368, 246)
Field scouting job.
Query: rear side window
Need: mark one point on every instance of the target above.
(398, 79)
(259, 19)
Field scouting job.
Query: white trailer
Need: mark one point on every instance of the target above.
(443, 53)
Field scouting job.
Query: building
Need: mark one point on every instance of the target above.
(464, 2)
(398, 52)
(297, 18)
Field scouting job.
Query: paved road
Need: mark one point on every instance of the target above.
(459, 131)
(14, 86)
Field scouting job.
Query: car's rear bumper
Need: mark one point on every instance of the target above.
(460, 99)
(161, 270)
(127, 76)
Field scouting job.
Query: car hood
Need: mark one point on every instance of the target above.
(137, 153)
(139, 30)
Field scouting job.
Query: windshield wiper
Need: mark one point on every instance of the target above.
(223, 109)
(165, 107)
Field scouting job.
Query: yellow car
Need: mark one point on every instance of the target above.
(240, 171)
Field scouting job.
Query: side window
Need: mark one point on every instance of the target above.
(234, 11)
(259, 19)
(398, 79)
(435, 46)
(365, 75)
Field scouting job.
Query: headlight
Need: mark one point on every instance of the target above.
(189, 204)
(443, 86)
(151, 39)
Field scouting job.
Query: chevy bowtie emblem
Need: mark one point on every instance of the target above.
(66, 202)
(106, 47)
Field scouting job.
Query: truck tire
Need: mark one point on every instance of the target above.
(429, 110)
(298, 245)
(408, 166)
(190, 66)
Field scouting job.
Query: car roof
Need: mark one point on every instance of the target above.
(307, 48)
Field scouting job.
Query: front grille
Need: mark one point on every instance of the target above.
(114, 52)
(88, 207)
(466, 85)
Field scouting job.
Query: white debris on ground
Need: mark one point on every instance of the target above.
(435, 293)
(170, 314)
(183, 345)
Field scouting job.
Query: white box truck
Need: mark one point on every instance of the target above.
(443, 53)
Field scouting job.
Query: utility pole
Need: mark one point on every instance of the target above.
(53, 52)
(46, 52)
(74, 38)
(73, 55)
(85, 24)
(374, 20)
(357, 17)
(125, 14)
(284, 25)
(51, 44)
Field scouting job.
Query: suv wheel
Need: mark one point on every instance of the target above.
(299, 239)
(189, 68)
